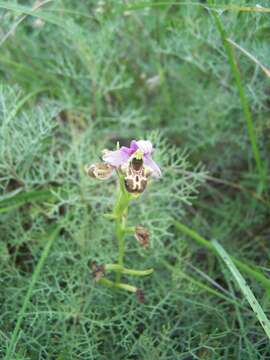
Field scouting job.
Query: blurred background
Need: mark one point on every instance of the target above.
(75, 78)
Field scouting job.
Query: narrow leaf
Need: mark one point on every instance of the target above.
(256, 307)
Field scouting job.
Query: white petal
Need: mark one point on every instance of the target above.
(148, 161)
(145, 146)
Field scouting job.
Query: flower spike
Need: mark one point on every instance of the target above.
(134, 166)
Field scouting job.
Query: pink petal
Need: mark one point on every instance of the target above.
(117, 158)
(145, 146)
(133, 146)
(148, 161)
(127, 150)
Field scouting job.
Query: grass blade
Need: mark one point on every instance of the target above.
(244, 101)
(18, 199)
(250, 56)
(29, 11)
(21, 19)
(201, 285)
(244, 287)
(231, 7)
(249, 270)
(51, 237)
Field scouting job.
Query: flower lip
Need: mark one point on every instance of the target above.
(141, 149)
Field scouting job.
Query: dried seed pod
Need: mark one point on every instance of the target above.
(140, 296)
(101, 171)
(98, 271)
(142, 235)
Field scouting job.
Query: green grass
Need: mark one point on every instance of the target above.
(258, 311)
(75, 78)
(14, 338)
(244, 101)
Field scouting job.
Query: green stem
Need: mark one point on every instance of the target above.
(120, 214)
(121, 286)
(133, 272)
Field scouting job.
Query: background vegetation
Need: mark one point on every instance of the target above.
(77, 76)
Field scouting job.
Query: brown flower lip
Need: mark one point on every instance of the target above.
(142, 235)
(136, 176)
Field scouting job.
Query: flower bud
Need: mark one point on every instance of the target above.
(142, 235)
(101, 171)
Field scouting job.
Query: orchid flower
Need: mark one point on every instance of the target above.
(140, 150)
